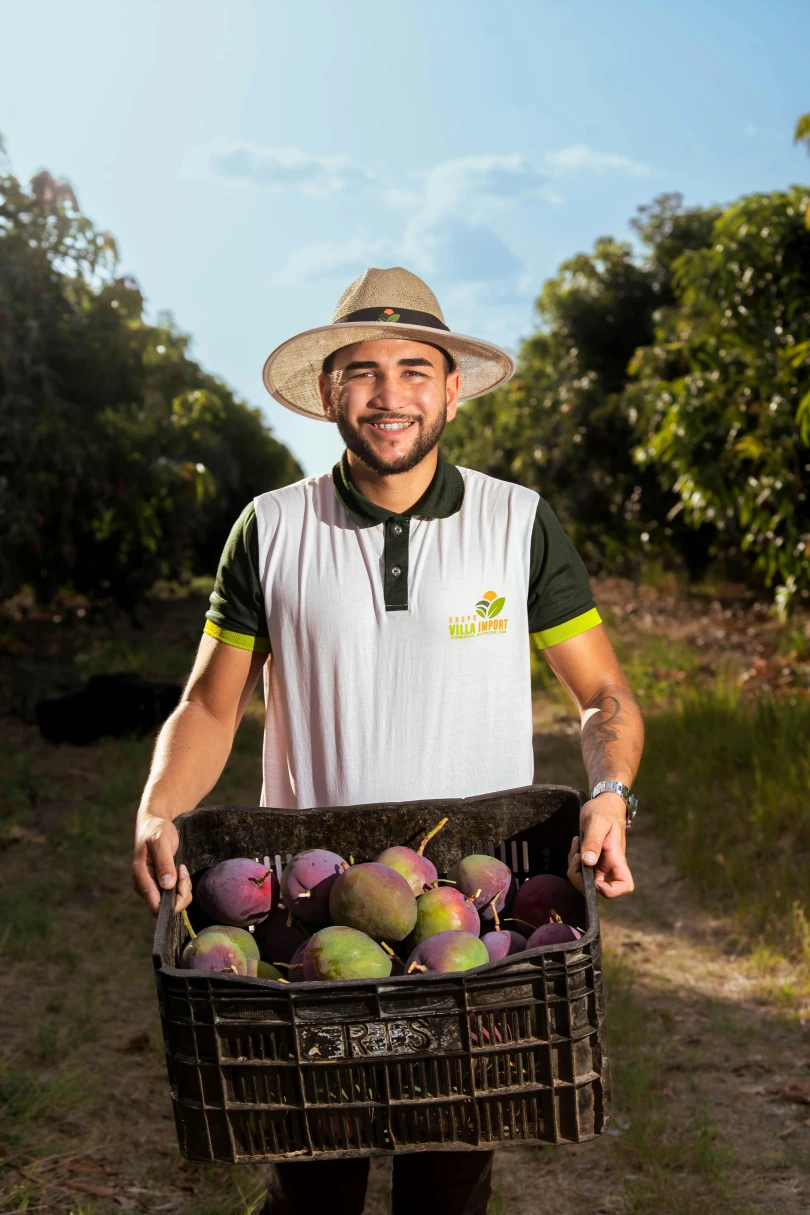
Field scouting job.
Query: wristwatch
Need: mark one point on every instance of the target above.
(629, 799)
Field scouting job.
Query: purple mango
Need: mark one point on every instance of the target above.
(484, 879)
(237, 892)
(442, 910)
(278, 940)
(221, 947)
(307, 881)
(295, 970)
(544, 898)
(417, 870)
(447, 951)
(374, 900)
(503, 944)
(553, 934)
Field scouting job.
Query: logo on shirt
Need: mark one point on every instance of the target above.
(487, 618)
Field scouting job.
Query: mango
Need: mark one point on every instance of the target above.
(221, 947)
(295, 971)
(484, 879)
(442, 910)
(503, 944)
(553, 934)
(277, 942)
(447, 951)
(265, 971)
(417, 870)
(307, 881)
(543, 898)
(375, 900)
(237, 892)
(339, 952)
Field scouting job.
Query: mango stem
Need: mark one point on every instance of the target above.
(495, 914)
(416, 966)
(187, 923)
(525, 923)
(420, 850)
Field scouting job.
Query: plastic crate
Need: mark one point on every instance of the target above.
(511, 1053)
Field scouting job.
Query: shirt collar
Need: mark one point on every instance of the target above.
(443, 498)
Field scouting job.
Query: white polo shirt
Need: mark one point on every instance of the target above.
(399, 664)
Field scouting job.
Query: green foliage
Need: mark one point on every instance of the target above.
(562, 426)
(121, 459)
(722, 393)
(664, 405)
(802, 132)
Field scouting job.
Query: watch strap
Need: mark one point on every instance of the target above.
(629, 799)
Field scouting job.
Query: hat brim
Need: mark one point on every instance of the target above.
(291, 371)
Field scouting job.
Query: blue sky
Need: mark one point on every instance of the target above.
(252, 157)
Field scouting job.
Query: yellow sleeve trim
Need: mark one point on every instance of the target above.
(242, 641)
(564, 632)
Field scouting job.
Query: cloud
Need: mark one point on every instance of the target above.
(452, 237)
(279, 168)
(479, 185)
(329, 259)
(769, 134)
(579, 157)
(450, 249)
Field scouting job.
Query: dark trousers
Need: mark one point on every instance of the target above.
(450, 1183)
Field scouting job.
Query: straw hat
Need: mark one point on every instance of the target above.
(380, 304)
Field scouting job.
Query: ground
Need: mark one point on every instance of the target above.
(710, 1054)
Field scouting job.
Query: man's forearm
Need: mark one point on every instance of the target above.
(612, 736)
(190, 754)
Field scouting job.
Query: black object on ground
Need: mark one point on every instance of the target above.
(508, 1054)
(118, 705)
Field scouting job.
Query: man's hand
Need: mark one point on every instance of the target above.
(602, 824)
(153, 868)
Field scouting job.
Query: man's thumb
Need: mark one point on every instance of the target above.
(592, 847)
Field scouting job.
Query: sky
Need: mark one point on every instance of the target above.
(252, 158)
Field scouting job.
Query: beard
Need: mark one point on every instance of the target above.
(358, 445)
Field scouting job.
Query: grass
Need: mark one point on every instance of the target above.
(78, 975)
(670, 1165)
(728, 783)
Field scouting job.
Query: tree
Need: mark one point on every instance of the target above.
(563, 427)
(722, 394)
(121, 459)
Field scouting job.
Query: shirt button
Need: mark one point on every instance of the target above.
(397, 529)
(396, 571)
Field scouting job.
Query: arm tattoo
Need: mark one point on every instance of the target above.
(606, 739)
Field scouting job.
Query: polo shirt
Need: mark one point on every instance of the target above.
(400, 662)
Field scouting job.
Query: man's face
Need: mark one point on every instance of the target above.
(390, 400)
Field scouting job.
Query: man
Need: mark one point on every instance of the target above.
(388, 605)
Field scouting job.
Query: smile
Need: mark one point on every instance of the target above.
(390, 426)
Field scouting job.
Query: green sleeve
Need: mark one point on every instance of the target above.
(236, 615)
(560, 602)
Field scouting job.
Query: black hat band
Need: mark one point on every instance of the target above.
(405, 316)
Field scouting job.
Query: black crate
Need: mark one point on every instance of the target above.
(510, 1053)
